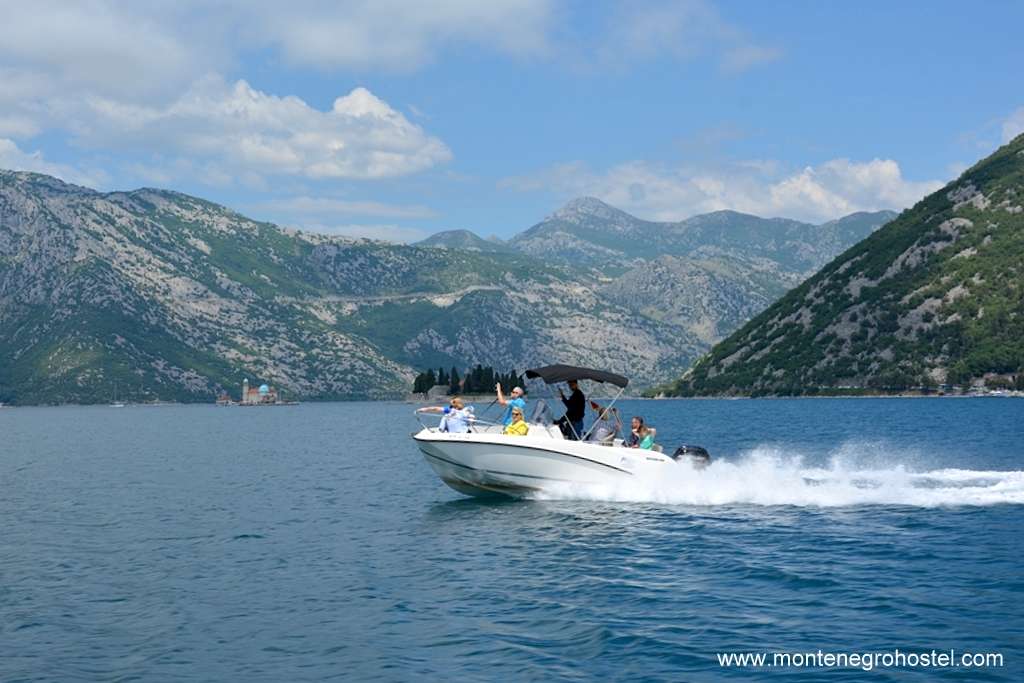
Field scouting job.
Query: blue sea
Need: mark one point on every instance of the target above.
(312, 542)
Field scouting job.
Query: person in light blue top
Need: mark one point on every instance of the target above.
(515, 400)
(456, 416)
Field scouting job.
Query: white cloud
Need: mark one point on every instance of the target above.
(394, 34)
(14, 158)
(149, 49)
(330, 207)
(147, 52)
(147, 78)
(143, 50)
(136, 77)
(18, 126)
(107, 47)
(815, 193)
(840, 186)
(240, 129)
(680, 29)
(743, 57)
(648, 29)
(1013, 125)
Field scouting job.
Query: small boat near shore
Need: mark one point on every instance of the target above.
(116, 403)
(486, 462)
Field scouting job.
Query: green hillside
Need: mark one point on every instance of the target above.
(935, 297)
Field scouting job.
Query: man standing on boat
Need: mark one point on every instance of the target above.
(515, 400)
(575, 409)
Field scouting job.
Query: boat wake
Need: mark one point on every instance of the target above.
(767, 476)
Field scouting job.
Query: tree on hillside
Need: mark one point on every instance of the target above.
(424, 382)
(477, 380)
(419, 384)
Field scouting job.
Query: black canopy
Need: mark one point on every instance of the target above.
(552, 374)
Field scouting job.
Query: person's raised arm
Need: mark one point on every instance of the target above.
(501, 396)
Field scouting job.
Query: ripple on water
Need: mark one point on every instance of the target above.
(215, 548)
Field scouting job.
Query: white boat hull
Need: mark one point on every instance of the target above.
(494, 464)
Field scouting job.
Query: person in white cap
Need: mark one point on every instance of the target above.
(515, 400)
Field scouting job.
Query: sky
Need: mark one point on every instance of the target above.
(395, 120)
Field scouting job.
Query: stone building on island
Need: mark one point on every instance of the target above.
(255, 396)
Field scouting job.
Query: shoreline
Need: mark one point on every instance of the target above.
(473, 398)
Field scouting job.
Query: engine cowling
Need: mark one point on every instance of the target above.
(697, 455)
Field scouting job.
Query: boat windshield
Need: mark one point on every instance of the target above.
(541, 414)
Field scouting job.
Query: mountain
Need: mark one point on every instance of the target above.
(708, 274)
(936, 296)
(709, 297)
(168, 296)
(464, 239)
(586, 232)
(163, 295)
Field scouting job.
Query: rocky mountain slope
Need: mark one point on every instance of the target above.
(934, 297)
(168, 296)
(708, 297)
(708, 274)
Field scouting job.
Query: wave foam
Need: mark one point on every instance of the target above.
(767, 476)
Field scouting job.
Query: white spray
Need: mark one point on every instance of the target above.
(768, 476)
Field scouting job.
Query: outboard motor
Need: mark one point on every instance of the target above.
(697, 455)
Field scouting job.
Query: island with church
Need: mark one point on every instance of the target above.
(263, 395)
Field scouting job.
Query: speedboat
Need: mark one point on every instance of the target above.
(486, 462)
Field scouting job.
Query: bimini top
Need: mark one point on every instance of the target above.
(552, 374)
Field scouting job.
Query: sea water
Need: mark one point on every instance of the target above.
(313, 542)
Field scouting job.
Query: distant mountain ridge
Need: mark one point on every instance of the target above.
(587, 232)
(708, 274)
(172, 297)
(463, 239)
(934, 297)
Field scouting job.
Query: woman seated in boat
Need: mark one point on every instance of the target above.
(518, 426)
(607, 425)
(456, 417)
(640, 435)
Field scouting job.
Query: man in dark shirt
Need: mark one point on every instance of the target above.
(575, 408)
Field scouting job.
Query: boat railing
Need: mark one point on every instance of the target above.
(475, 423)
(478, 425)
